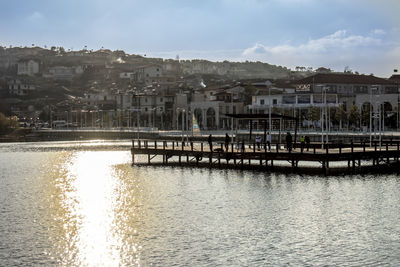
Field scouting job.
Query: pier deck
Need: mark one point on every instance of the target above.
(199, 153)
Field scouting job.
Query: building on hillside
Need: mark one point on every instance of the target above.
(63, 73)
(148, 74)
(28, 67)
(20, 88)
(126, 75)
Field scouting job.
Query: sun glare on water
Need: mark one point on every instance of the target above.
(90, 188)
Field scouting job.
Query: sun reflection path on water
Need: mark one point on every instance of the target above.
(96, 205)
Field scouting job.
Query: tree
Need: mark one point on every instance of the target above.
(313, 114)
(7, 124)
(365, 114)
(354, 116)
(340, 115)
(3, 123)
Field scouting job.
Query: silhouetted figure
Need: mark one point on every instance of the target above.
(258, 142)
(268, 137)
(227, 141)
(289, 142)
(307, 139)
(302, 142)
(210, 142)
(242, 147)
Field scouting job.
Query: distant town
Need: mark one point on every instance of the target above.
(51, 87)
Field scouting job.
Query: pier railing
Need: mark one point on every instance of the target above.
(261, 155)
(264, 147)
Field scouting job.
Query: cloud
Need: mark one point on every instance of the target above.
(35, 16)
(379, 32)
(364, 53)
(337, 41)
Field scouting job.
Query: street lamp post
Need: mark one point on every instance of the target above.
(137, 121)
(380, 126)
(268, 84)
(326, 118)
(232, 116)
(270, 109)
(323, 114)
(374, 87)
(187, 125)
(183, 121)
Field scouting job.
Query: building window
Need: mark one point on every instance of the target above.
(275, 101)
(145, 109)
(262, 102)
(145, 100)
(161, 99)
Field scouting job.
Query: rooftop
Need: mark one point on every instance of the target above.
(343, 79)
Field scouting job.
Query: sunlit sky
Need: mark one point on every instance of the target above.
(361, 34)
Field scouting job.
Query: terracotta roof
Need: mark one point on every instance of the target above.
(343, 79)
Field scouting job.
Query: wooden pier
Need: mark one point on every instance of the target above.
(354, 157)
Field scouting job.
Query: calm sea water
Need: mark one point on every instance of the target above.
(82, 204)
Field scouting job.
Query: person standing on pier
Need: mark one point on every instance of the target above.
(307, 139)
(210, 142)
(242, 146)
(227, 141)
(268, 137)
(302, 142)
(258, 142)
(289, 142)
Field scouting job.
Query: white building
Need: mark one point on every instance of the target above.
(262, 103)
(28, 67)
(63, 73)
(211, 111)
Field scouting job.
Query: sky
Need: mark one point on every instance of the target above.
(363, 35)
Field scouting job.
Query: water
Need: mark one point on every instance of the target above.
(82, 204)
